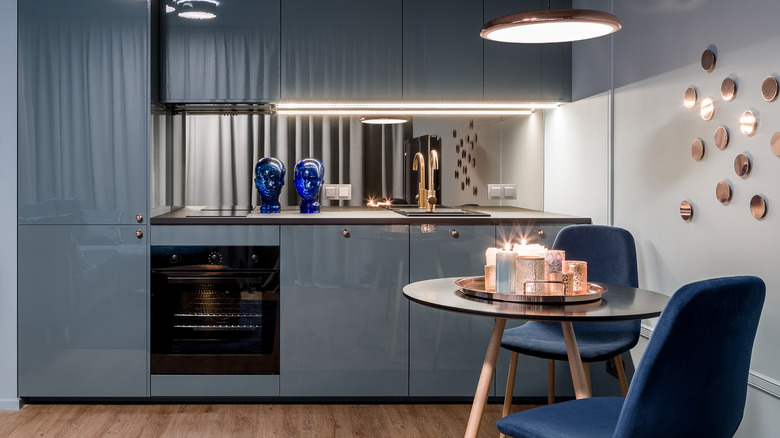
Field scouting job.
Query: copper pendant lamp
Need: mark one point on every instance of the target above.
(551, 26)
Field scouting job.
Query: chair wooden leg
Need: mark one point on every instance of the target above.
(510, 388)
(586, 367)
(550, 382)
(621, 372)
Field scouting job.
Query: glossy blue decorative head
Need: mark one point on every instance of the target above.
(269, 179)
(309, 174)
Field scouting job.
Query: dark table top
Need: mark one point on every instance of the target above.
(618, 303)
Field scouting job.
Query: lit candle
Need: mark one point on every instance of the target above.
(505, 271)
(533, 250)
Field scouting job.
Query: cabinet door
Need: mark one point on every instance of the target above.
(447, 349)
(83, 109)
(341, 49)
(82, 311)
(233, 57)
(442, 49)
(526, 71)
(344, 319)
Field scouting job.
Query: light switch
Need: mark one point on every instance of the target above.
(345, 191)
(510, 191)
(330, 192)
(494, 191)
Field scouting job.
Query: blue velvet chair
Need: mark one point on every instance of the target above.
(691, 381)
(611, 256)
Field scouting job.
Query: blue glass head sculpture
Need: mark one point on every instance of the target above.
(269, 179)
(308, 181)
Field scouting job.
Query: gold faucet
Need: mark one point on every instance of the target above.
(422, 196)
(433, 164)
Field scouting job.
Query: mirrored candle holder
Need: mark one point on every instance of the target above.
(575, 276)
(529, 275)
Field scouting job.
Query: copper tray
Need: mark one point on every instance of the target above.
(475, 287)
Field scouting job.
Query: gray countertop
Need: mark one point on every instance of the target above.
(366, 215)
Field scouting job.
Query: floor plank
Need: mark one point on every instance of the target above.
(244, 420)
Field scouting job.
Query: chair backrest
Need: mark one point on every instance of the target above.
(692, 379)
(609, 251)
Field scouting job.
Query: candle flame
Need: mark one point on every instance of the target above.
(508, 246)
(523, 241)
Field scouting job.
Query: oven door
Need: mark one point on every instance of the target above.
(215, 322)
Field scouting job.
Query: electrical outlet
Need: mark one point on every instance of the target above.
(495, 191)
(510, 191)
(337, 191)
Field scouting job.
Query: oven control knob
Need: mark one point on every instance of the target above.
(215, 258)
(255, 258)
(174, 258)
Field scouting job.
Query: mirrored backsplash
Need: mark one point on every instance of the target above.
(209, 159)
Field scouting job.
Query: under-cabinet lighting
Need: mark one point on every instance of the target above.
(421, 112)
(374, 110)
(383, 120)
(198, 9)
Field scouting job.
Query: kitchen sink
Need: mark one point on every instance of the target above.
(439, 211)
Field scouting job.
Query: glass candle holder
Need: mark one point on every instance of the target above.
(490, 278)
(575, 277)
(528, 272)
(505, 272)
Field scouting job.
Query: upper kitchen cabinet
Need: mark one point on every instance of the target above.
(233, 57)
(530, 72)
(442, 49)
(83, 111)
(341, 49)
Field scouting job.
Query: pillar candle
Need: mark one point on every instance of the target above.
(505, 271)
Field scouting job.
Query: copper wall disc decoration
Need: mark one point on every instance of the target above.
(728, 89)
(686, 211)
(723, 192)
(707, 108)
(774, 143)
(708, 60)
(742, 165)
(690, 98)
(758, 207)
(769, 88)
(697, 149)
(721, 137)
(747, 123)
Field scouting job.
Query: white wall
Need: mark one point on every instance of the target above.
(656, 57)
(8, 388)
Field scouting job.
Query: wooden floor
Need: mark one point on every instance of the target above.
(244, 420)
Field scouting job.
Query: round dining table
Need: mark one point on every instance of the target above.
(616, 303)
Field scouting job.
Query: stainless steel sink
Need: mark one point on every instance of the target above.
(439, 211)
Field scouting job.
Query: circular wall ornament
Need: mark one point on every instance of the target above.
(686, 211)
(708, 60)
(742, 165)
(721, 137)
(728, 89)
(769, 88)
(697, 149)
(748, 123)
(774, 143)
(723, 192)
(758, 206)
(707, 108)
(690, 98)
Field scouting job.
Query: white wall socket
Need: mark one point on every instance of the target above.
(502, 191)
(337, 191)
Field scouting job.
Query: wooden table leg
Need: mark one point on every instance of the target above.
(485, 379)
(581, 389)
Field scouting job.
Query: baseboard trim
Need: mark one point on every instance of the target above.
(11, 404)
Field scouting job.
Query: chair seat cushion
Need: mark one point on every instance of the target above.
(596, 341)
(585, 418)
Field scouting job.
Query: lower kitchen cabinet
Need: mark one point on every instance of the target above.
(447, 349)
(82, 311)
(344, 319)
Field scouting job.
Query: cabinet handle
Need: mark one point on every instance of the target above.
(541, 233)
(454, 233)
(345, 232)
(139, 234)
(139, 218)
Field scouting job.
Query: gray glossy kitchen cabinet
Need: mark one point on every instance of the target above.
(442, 49)
(82, 311)
(529, 72)
(83, 111)
(447, 349)
(344, 319)
(342, 49)
(233, 57)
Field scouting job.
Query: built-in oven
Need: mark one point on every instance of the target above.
(214, 310)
